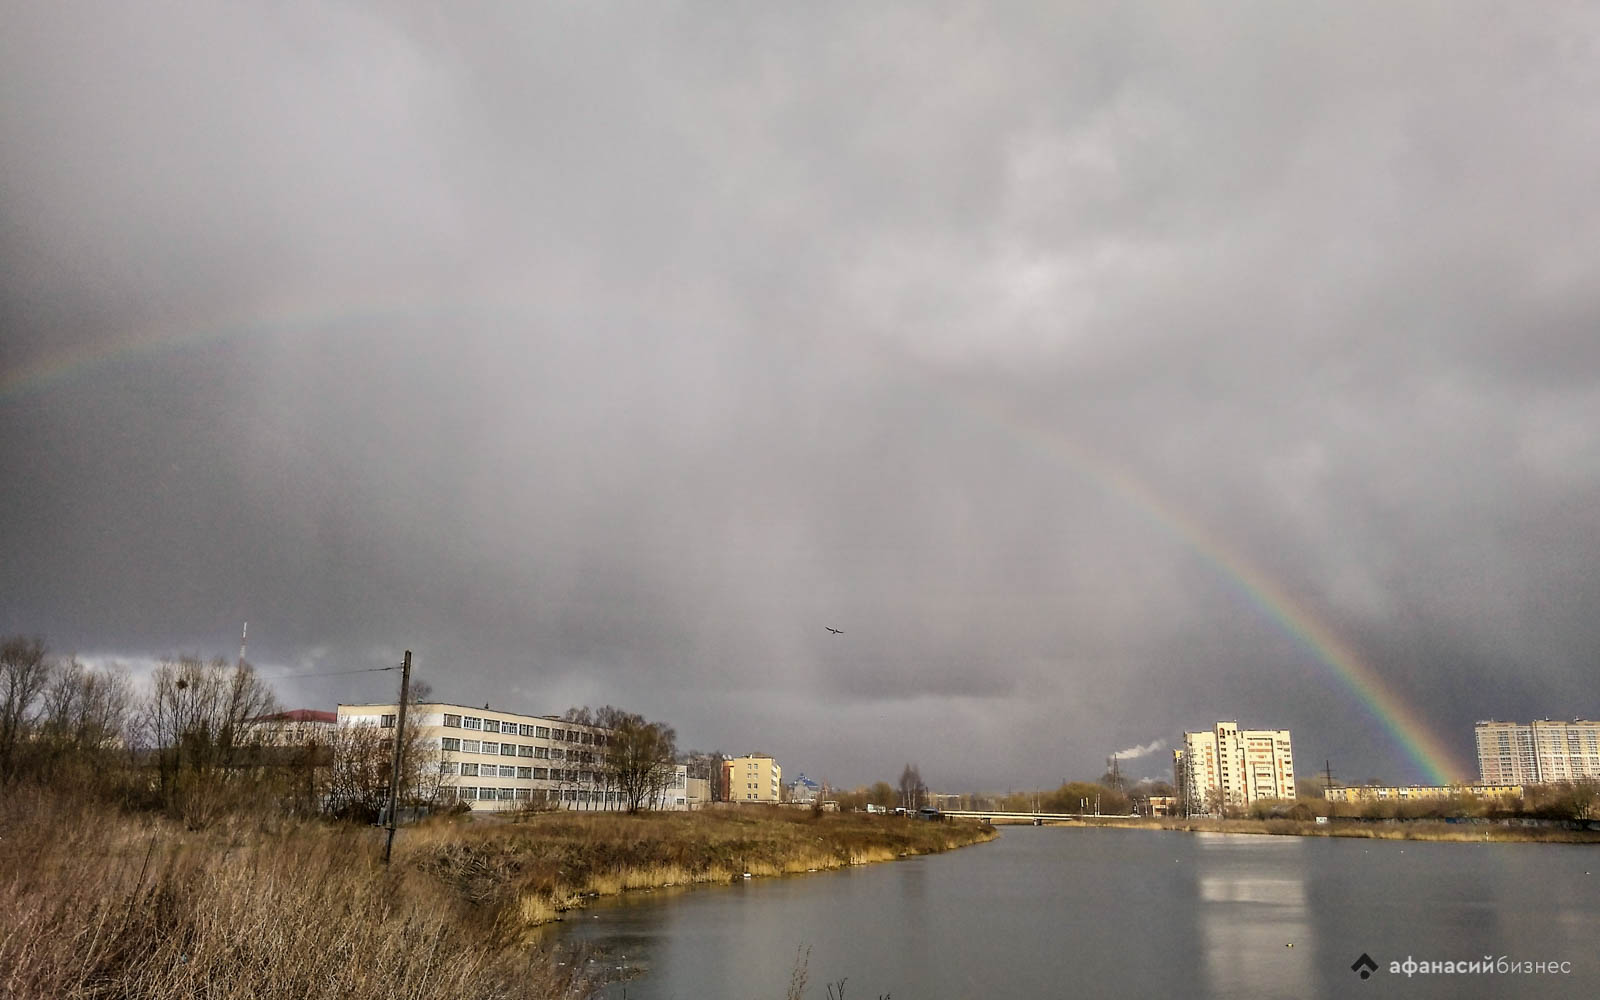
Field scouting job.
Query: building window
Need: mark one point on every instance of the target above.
(543, 732)
(542, 773)
(588, 737)
(448, 767)
(543, 753)
(490, 747)
(558, 734)
(491, 726)
(469, 746)
(524, 794)
(508, 749)
(452, 721)
(471, 722)
(524, 772)
(469, 770)
(386, 721)
(450, 743)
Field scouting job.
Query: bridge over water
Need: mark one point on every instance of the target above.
(1031, 817)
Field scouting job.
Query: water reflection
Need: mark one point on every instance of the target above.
(1052, 912)
(1253, 915)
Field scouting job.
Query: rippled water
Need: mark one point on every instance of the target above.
(1061, 911)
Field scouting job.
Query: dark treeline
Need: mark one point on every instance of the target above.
(194, 742)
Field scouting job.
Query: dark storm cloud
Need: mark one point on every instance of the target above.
(609, 354)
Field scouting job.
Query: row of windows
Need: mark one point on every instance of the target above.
(492, 748)
(522, 729)
(485, 794)
(469, 770)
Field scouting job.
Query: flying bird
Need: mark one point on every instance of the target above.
(835, 631)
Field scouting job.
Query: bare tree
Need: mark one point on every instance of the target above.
(638, 758)
(24, 672)
(200, 718)
(361, 763)
(85, 709)
(913, 793)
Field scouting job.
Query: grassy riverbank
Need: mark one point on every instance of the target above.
(538, 866)
(95, 902)
(1473, 833)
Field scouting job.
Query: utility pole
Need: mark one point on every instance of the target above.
(399, 744)
(1327, 784)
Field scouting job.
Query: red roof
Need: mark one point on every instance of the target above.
(300, 715)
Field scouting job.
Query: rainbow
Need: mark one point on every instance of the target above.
(63, 365)
(1408, 730)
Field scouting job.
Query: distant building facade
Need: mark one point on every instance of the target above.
(1228, 766)
(803, 789)
(494, 759)
(1537, 752)
(755, 777)
(1416, 793)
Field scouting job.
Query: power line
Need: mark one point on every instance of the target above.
(330, 673)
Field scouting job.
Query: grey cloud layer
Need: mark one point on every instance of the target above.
(609, 354)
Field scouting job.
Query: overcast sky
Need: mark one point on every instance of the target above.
(610, 354)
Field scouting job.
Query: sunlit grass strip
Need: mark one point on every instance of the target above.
(550, 862)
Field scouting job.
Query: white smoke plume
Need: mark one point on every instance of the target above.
(1140, 751)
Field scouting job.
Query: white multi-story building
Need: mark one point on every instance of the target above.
(1229, 766)
(1538, 752)
(494, 759)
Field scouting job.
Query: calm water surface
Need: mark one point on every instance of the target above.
(1054, 912)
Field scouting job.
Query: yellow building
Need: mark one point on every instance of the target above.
(1414, 793)
(755, 777)
(1229, 766)
(494, 759)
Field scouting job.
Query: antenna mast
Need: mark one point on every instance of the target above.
(242, 634)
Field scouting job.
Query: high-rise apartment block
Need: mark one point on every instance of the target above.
(1537, 752)
(1229, 766)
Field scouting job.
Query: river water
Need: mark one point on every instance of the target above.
(1056, 911)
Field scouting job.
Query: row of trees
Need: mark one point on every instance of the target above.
(1563, 800)
(910, 793)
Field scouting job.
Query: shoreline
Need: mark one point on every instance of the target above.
(1416, 830)
(538, 867)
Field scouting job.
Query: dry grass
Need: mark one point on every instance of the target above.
(535, 867)
(94, 903)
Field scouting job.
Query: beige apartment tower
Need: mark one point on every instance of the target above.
(1232, 767)
(1515, 753)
